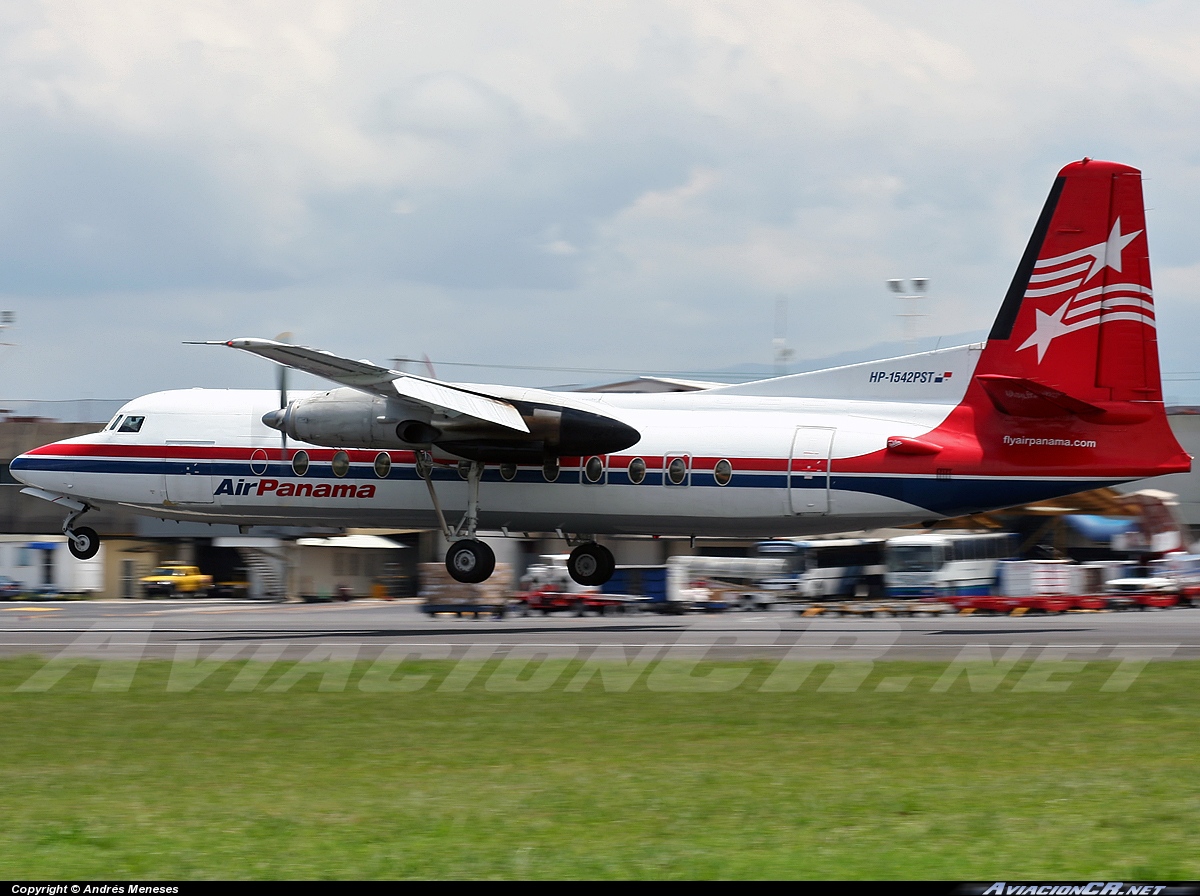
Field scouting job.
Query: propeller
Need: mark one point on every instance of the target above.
(283, 401)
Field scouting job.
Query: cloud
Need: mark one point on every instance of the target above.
(625, 185)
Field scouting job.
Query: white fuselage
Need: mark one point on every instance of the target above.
(206, 455)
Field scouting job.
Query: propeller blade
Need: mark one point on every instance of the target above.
(283, 398)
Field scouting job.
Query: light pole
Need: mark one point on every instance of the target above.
(919, 290)
(779, 346)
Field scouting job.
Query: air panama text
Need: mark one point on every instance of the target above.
(294, 489)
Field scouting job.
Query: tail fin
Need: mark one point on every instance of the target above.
(1068, 383)
(1078, 319)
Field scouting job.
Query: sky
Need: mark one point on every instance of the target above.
(624, 186)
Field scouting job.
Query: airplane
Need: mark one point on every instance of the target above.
(1065, 395)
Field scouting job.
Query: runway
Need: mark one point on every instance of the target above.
(364, 629)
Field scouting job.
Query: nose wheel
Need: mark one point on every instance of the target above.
(591, 564)
(83, 543)
(470, 561)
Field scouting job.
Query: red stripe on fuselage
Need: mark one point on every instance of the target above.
(205, 452)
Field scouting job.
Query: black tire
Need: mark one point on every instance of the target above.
(470, 562)
(83, 543)
(591, 564)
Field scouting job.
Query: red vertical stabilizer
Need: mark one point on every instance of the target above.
(1079, 315)
(1068, 384)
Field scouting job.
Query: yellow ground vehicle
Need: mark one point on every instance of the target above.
(176, 580)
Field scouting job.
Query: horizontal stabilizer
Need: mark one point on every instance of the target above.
(937, 377)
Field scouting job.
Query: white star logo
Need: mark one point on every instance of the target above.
(1049, 327)
(1108, 254)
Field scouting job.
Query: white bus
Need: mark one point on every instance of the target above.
(946, 564)
(823, 568)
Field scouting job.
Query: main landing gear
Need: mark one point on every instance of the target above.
(83, 543)
(591, 564)
(469, 560)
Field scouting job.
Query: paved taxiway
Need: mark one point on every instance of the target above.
(162, 629)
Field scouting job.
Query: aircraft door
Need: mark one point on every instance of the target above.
(191, 484)
(808, 469)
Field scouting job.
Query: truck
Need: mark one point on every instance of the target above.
(43, 566)
(547, 587)
(176, 580)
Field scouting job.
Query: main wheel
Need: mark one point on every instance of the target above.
(83, 543)
(470, 562)
(591, 564)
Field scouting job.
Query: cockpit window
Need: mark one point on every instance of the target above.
(115, 420)
(131, 424)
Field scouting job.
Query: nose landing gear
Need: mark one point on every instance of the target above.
(83, 543)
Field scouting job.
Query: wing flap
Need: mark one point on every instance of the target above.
(469, 403)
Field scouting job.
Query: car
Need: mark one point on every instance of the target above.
(10, 588)
(176, 580)
(1142, 591)
(1141, 585)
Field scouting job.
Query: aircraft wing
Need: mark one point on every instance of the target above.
(383, 381)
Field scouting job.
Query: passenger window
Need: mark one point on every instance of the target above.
(383, 464)
(131, 424)
(593, 470)
(637, 471)
(677, 471)
(299, 463)
(341, 463)
(723, 472)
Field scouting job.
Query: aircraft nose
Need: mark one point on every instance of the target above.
(21, 467)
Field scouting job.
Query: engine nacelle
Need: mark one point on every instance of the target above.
(344, 418)
(348, 418)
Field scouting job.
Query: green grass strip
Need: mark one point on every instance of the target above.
(125, 772)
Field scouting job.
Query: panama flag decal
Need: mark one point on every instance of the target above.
(1067, 276)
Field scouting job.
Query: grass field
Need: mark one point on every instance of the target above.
(906, 782)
